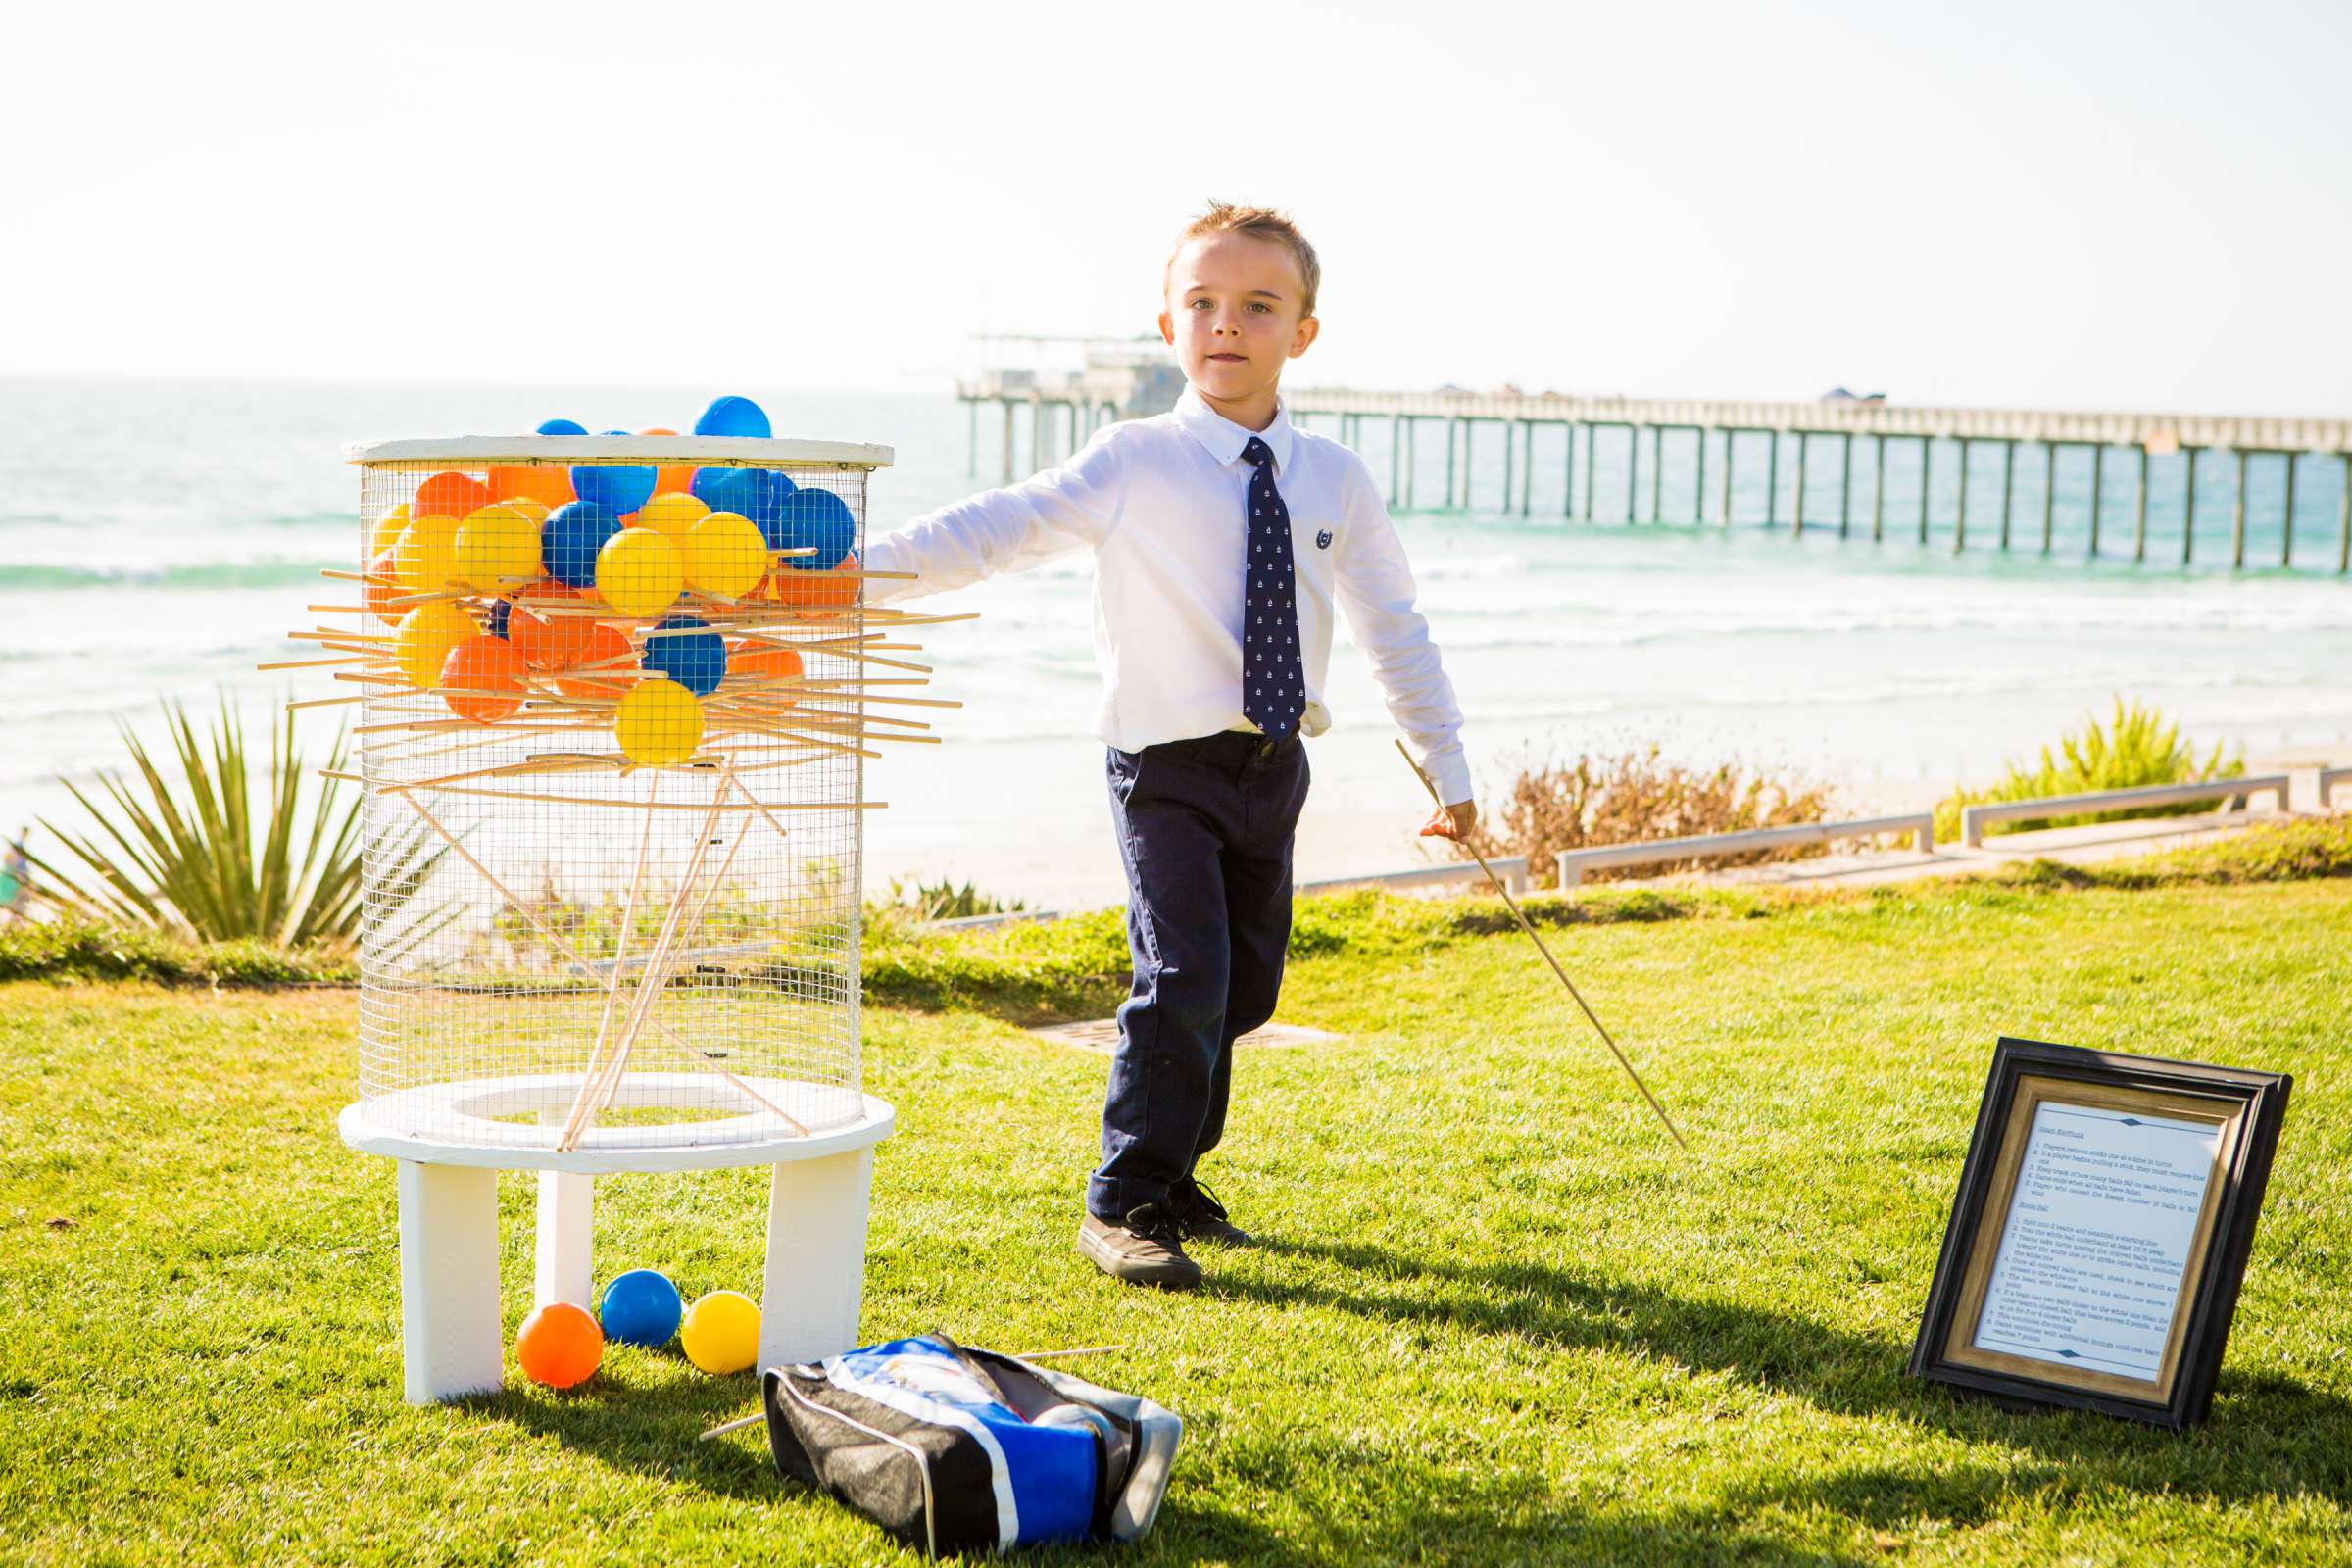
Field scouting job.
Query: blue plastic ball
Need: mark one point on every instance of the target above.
(499, 610)
(575, 533)
(641, 1307)
(758, 494)
(733, 416)
(819, 518)
(563, 427)
(619, 490)
(696, 660)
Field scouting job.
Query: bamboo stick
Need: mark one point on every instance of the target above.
(621, 953)
(584, 967)
(315, 664)
(663, 806)
(1430, 784)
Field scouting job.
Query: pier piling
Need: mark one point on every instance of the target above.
(2237, 516)
(2286, 520)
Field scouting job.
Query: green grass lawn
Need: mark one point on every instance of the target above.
(1498, 1318)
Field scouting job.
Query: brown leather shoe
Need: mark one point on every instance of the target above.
(1203, 1217)
(1145, 1248)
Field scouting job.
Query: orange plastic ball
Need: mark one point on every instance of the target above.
(543, 482)
(763, 660)
(815, 590)
(381, 588)
(559, 1346)
(606, 642)
(550, 642)
(678, 477)
(450, 494)
(489, 666)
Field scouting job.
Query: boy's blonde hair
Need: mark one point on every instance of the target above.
(1270, 224)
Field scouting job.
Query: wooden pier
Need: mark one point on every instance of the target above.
(1976, 454)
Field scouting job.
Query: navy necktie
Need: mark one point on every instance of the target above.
(1273, 683)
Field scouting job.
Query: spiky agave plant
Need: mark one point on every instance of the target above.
(208, 860)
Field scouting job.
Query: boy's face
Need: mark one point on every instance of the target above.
(1234, 313)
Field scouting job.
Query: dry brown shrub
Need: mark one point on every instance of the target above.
(1637, 796)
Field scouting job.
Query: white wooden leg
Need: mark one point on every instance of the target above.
(564, 1265)
(449, 1324)
(815, 1257)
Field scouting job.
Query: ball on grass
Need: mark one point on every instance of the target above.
(641, 1307)
(559, 1346)
(721, 1332)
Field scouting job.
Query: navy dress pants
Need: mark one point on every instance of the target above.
(1204, 831)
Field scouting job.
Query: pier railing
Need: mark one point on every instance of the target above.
(2191, 469)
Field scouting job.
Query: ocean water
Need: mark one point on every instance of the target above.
(157, 538)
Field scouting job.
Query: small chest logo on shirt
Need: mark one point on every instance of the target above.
(1323, 539)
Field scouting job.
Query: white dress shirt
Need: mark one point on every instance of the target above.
(1162, 503)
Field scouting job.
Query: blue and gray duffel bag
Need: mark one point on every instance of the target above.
(952, 1449)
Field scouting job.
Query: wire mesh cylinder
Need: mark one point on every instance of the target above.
(552, 920)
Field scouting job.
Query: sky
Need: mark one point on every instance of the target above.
(2062, 204)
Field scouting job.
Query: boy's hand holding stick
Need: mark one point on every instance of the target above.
(1454, 818)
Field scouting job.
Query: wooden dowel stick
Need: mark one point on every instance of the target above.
(1507, 903)
(584, 967)
(620, 955)
(315, 663)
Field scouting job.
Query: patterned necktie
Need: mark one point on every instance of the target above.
(1273, 685)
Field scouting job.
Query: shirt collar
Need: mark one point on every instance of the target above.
(1225, 439)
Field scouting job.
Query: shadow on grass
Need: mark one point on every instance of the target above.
(1386, 1506)
(2269, 1438)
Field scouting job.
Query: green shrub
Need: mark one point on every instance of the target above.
(2138, 747)
(202, 859)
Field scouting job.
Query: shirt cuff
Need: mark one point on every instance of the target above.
(1449, 769)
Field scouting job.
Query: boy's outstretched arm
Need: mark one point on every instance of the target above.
(1374, 585)
(1012, 529)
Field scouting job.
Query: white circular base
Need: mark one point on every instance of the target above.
(454, 1124)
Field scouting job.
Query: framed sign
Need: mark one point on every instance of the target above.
(2095, 1250)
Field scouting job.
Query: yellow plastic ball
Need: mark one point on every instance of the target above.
(673, 513)
(639, 573)
(725, 555)
(530, 507)
(426, 557)
(427, 635)
(498, 548)
(387, 531)
(721, 1332)
(659, 723)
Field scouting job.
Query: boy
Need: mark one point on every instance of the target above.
(1222, 538)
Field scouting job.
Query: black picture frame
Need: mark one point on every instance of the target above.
(2246, 1108)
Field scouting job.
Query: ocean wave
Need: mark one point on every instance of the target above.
(50, 578)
